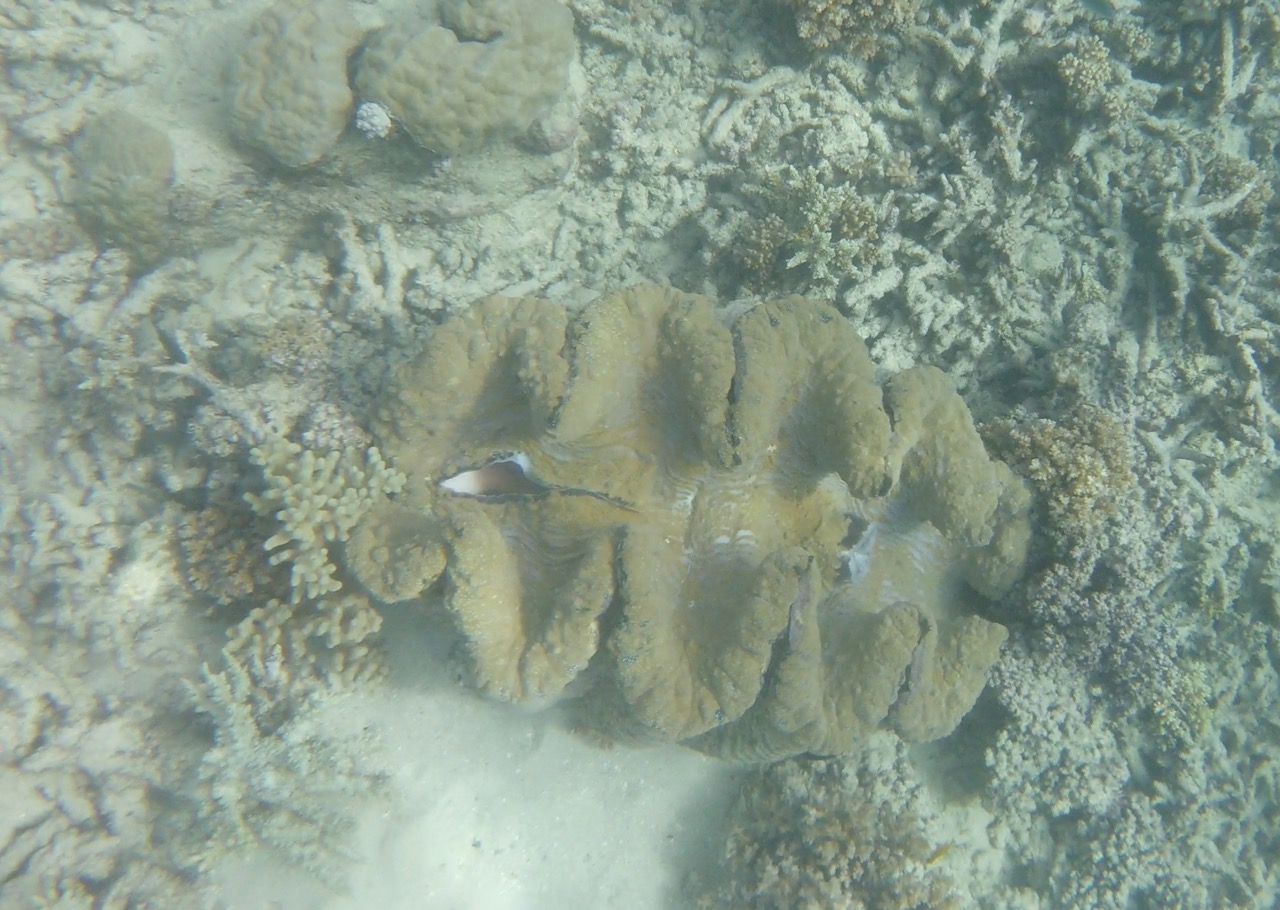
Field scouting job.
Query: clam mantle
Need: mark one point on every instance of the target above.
(718, 519)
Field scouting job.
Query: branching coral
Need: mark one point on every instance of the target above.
(1079, 465)
(286, 649)
(813, 226)
(317, 499)
(827, 835)
(283, 786)
(860, 25)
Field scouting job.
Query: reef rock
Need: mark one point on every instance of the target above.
(756, 548)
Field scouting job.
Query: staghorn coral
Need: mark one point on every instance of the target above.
(289, 652)
(719, 510)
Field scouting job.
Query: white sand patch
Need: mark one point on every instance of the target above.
(494, 808)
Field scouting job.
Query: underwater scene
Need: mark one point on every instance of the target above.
(640, 454)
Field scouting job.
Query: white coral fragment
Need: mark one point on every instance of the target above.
(374, 120)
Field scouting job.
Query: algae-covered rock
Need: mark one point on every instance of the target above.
(485, 71)
(759, 552)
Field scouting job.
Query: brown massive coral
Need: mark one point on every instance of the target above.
(756, 548)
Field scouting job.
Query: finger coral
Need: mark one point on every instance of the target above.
(758, 549)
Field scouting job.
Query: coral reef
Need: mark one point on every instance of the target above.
(1056, 755)
(78, 775)
(66, 61)
(484, 72)
(1069, 206)
(734, 499)
(288, 652)
(1089, 73)
(282, 651)
(282, 784)
(1079, 465)
(813, 226)
(90, 660)
(221, 555)
(1066, 771)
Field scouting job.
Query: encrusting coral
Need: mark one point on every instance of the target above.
(760, 550)
(123, 185)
